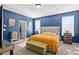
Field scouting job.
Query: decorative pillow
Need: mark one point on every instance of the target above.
(48, 33)
(45, 33)
(54, 34)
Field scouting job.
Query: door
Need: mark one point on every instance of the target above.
(22, 29)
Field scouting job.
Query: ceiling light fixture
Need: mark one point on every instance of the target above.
(38, 5)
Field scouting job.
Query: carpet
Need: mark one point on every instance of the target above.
(65, 49)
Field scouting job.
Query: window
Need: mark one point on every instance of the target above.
(37, 26)
(30, 27)
(68, 24)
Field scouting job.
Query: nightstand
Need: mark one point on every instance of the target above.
(68, 38)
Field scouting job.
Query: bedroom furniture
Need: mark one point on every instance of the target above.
(14, 36)
(37, 46)
(68, 38)
(51, 29)
(51, 40)
(8, 48)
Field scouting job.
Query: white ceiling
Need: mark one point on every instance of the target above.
(30, 10)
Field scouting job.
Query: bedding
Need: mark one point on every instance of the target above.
(49, 33)
(51, 40)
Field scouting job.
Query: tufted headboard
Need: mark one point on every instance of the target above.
(52, 29)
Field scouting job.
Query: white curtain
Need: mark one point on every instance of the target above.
(30, 26)
(37, 26)
(68, 24)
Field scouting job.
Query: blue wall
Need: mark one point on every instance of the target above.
(9, 14)
(56, 20)
(52, 20)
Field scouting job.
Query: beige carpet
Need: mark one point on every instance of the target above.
(65, 49)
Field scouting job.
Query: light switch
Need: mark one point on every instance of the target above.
(4, 29)
(4, 25)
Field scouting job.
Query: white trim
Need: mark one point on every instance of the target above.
(2, 23)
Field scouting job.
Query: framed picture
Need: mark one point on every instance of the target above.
(12, 22)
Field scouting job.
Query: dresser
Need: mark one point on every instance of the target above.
(68, 38)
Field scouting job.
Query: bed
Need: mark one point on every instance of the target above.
(49, 37)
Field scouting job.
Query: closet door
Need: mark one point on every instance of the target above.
(0, 26)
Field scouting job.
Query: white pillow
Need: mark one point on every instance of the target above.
(48, 33)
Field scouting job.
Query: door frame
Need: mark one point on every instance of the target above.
(25, 28)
